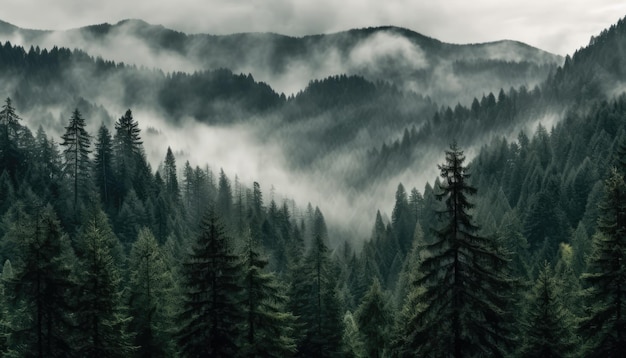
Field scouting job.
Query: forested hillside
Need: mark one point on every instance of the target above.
(516, 252)
(409, 60)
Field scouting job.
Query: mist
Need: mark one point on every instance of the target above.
(263, 147)
(288, 64)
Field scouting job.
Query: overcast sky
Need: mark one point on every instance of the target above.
(559, 26)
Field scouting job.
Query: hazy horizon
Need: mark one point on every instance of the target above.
(559, 27)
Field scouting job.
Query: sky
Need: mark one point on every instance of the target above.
(558, 26)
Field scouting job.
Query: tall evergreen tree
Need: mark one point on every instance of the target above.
(268, 325)
(374, 319)
(212, 312)
(352, 341)
(547, 328)
(102, 315)
(77, 141)
(10, 157)
(464, 277)
(169, 176)
(605, 325)
(41, 289)
(128, 151)
(104, 175)
(152, 296)
(224, 201)
(402, 220)
(314, 298)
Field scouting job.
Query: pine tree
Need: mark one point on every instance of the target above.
(547, 325)
(5, 318)
(374, 319)
(409, 297)
(212, 313)
(151, 302)
(102, 315)
(402, 220)
(268, 325)
(41, 288)
(104, 176)
(352, 341)
(169, 176)
(314, 298)
(224, 201)
(76, 141)
(10, 157)
(604, 328)
(464, 277)
(128, 150)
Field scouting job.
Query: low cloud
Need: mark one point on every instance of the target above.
(385, 49)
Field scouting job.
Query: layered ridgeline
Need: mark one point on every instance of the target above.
(518, 252)
(447, 72)
(318, 140)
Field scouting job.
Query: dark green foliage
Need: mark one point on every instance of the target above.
(402, 220)
(212, 314)
(314, 300)
(374, 319)
(547, 327)
(269, 328)
(451, 291)
(465, 279)
(41, 288)
(152, 301)
(352, 340)
(101, 314)
(605, 322)
(104, 172)
(127, 146)
(10, 156)
(170, 178)
(224, 200)
(76, 165)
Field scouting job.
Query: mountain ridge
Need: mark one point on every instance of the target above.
(401, 56)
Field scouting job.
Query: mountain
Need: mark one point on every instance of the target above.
(331, 141)
(400, 56)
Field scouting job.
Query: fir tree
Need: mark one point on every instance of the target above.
(464, 277)
(76, 141)
(128, 150)
(268, 325)
(169, 176)
(352, 341)
(104, 176)
(605, 325)
(102, 315)
(212, 314)
(224, 201)
(151, 301)
(547, 326)
(41, 288)
(10, 158)
(374, 319)
(314, 298)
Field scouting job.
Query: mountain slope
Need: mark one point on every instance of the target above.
(405, 58)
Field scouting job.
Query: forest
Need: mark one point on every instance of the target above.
(518, 252)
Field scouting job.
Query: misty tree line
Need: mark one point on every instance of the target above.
(104, 257)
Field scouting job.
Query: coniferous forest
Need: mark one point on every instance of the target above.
(517, 250)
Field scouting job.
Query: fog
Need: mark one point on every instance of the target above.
(261, 149)
(386, 54)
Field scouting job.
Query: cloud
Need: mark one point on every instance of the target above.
(383, 47)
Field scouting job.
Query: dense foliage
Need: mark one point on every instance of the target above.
(521, 252)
